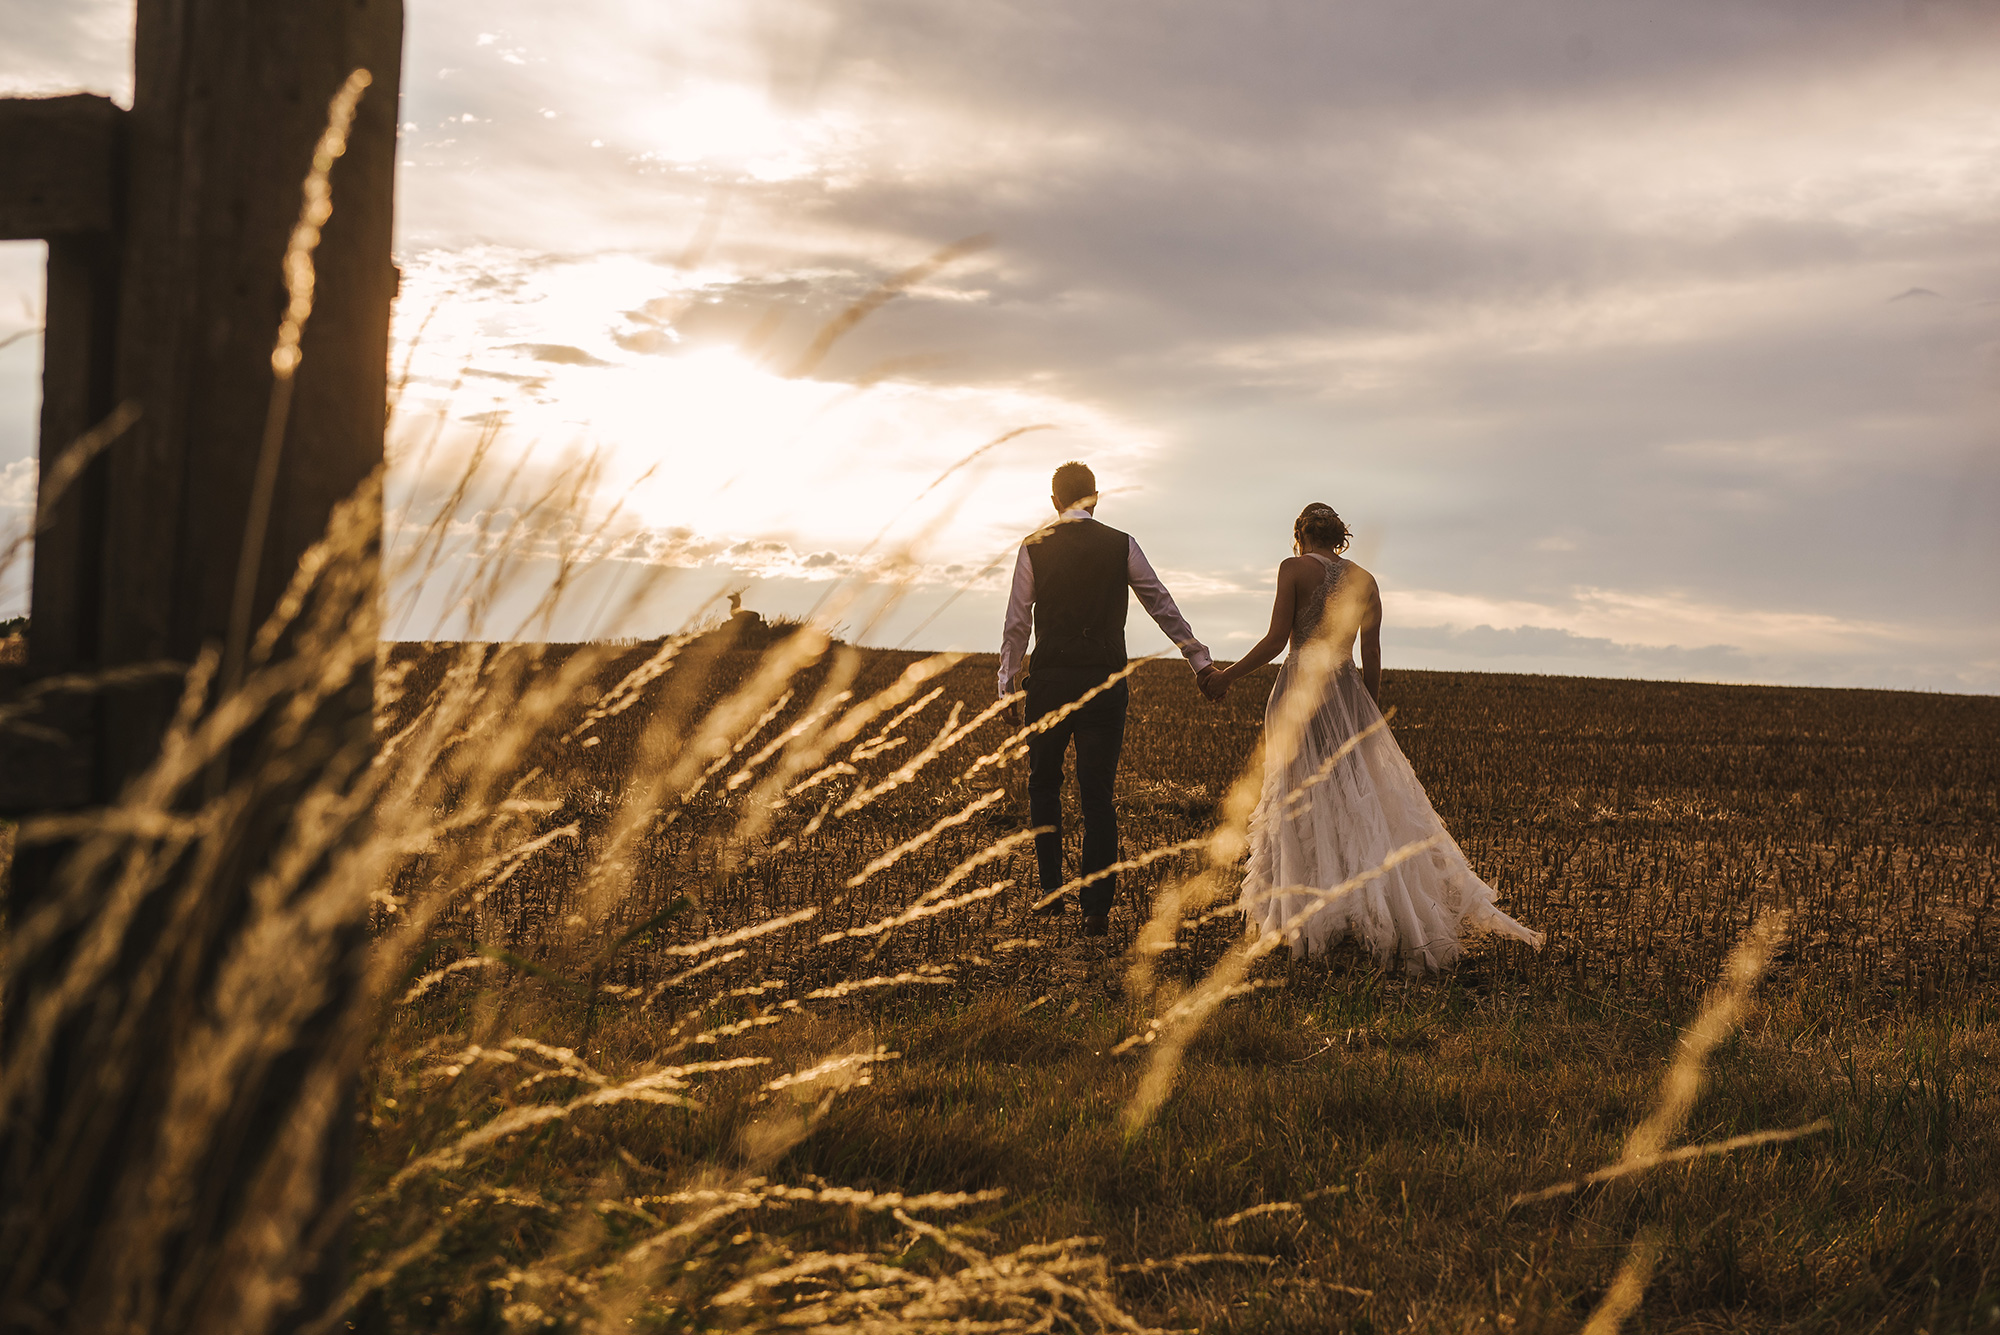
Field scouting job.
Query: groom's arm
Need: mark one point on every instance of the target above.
(1014, 630)
(1159, 605)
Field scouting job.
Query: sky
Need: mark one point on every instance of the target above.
(1641, 338)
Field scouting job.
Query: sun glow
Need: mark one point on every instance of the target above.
(734, 126)
(703, 438)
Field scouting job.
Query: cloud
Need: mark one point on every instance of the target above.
(17, 485)
(1657, 619)
(1561, 299)
(1607, 632)
(1586, 316)
(48, 50)
(553, 534)
(1564, 652)
(17, 511)
(556, 354)
(700, 425)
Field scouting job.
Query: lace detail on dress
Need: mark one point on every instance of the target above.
(1321, 822)
(1312, 610)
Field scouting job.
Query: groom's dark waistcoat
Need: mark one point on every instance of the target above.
(1080, 600)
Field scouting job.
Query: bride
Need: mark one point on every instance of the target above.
(1339, 798)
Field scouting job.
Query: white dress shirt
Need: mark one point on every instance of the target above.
(1153, 596)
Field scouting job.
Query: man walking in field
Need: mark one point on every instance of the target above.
(1069, 582)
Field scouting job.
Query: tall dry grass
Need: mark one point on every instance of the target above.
(536, 927)
(565, 904)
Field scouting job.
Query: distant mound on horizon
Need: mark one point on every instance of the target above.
(749, 633)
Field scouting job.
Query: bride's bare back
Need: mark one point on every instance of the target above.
(1321, 593)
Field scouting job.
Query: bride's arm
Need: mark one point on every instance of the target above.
(1282, 605)
(1371, 643)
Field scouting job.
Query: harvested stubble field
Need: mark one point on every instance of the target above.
(670, 1064)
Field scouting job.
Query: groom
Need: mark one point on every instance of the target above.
(1071, 578)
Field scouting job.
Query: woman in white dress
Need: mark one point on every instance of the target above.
(1339, 797)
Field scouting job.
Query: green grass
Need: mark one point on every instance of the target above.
(1415, 1110)
(1394, 1119)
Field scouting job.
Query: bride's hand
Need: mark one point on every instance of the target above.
(1213, 684)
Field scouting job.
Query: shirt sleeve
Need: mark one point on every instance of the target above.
(1159, 605)
(1014, 631)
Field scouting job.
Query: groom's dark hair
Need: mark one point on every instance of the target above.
(1073, 482)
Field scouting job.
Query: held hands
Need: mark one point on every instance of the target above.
(1214, 683)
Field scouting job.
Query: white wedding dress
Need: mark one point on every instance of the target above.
(1318, 826)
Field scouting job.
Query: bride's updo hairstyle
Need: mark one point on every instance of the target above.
(1318, 526)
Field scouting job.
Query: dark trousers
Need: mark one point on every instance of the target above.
(1099, 732)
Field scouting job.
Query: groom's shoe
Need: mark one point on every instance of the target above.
(1055, 908)
(1096, 924)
